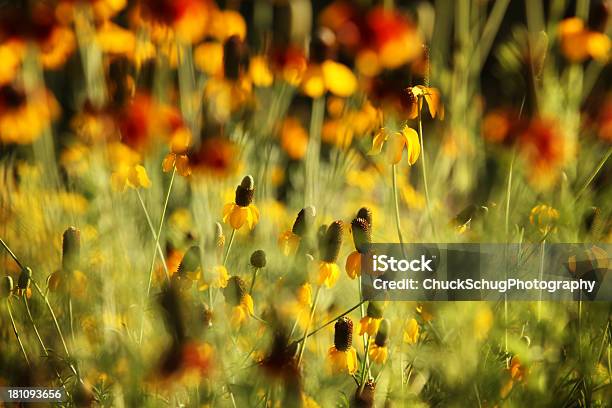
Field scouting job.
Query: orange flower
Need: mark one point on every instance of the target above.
(415, 96)
(22, 120)
(294, 138)
(177, 157)
(342, 355)
(579, 43)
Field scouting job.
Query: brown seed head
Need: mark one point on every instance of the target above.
(331, 242)
(383, 333)
(190, 261)
(235, 290)
(365, 398)
(366, 214)
(24, 278)
(362, 235)
(235, 58)
(245, 191)
(343, 336)
(258, 258)
(71, 249)
(304, 221)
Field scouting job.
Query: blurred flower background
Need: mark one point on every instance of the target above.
(187, 188)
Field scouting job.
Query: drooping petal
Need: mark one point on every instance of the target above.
(378, 141)
(353, 265)
(413, 146)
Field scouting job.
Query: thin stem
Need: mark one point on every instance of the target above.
(364, 365)
(229, 247)
(314, 146)
(40, 341)
(508, 191)
(540, 277)
(424, 167)
(312, 333)
(594, 174)
(150, 223)
(11, 254)
(153, 258)
(10, 312)
(396, 204)
(255, 270)
(306, 335)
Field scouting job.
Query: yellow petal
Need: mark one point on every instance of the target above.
(168, 162)
(339, 79)
(378, 141)
(413, 146)
(395, 147)
(353, 265)
(138, 177)
(260, 72)
(313, 84)
(208, 57)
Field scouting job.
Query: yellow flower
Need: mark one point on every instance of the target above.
(242, 312)
(377, 353)
(407, 139)
(208, 57)
(342, 355)
(343, 361)
(411, 332)
(544, 217)
(130, 176)
(260, 72)
(242, 211)
(238, 300)
(294, 138)
(339, 79)
(369, 325)
(353, 265)
(219, 275)
(483, 320)
(329, 76)
(304, 295)
(416, 94)
(328, 273)
(179, 143)
(578, 43)
(288, 242)
(115, 40)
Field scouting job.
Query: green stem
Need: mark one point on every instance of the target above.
(312, 333)
(40, 341)
(508, 191)
(150, 223)
(594, 174)
(364, 366)
(229, 247)
(10, 312)
(153, 258)
(396, 205)
(306, 335)
(255, 270)
(424, 166)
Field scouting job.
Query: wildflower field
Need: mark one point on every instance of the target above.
(187, 188)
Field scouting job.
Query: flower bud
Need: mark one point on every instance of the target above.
(362, 235)
(343, 335)
(235, 290)
(71, 249)
(375, 310)
(258, 259)
(24, 278)
(331, 242)
(365, 398)
(219, 237)
(366, 214)
(190, 262)
(304, 221)
(245, 191)
(383, 333)
(6, 286)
